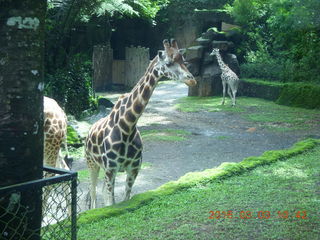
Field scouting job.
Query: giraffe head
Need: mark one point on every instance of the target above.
(215, 51)
(171, 63)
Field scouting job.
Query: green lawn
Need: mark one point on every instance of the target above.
(265, 113)
(253, 205)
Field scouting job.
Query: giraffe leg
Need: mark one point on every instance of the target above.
(94, 173)
(223, 91)
(131, 177)
(234, 96)
(230, 94)
(110, 177)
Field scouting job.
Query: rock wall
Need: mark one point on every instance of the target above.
(205, 67)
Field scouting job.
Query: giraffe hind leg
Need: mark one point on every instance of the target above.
(110, 176)
(230, 94)
(94, 173)
(131, 177)
(223, 92)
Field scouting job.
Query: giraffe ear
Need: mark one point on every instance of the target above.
(174, 43)
(182, 51)
(161, 54)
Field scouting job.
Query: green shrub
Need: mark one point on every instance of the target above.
(300, 95)
(73, 139)
(72, 86)
(304, 95)
(270, 70)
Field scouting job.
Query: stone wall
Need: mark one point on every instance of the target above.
(205, 67)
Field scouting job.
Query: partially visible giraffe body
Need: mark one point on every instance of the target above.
(114, 142)
(228, 77)
(55, 133)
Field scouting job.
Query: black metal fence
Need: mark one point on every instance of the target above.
(59, 207)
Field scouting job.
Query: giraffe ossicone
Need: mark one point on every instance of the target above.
(228, 77)
(114, 142)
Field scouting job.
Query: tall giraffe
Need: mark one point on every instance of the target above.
(114, 142)
(228, 78)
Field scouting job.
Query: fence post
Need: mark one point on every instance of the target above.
(74, 206)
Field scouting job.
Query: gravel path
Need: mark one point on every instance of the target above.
(216, 137)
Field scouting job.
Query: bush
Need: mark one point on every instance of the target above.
(300, 95)
(304, 95)
(270, 70)
(72, 86)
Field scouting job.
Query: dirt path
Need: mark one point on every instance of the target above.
(216, 137)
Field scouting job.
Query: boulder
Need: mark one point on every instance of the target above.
(203, 41)
(223, 45)
(194, 53)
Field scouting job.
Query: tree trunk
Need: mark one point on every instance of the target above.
(21, 114)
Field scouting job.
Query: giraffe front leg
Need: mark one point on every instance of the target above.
(131, 177)
(223, 92)
(109, 187)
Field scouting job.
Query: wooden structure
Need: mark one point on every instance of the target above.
(109, 73)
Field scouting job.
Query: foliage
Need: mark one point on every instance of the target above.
(287, 30)
(291, 94)
(177, 12)
(73, 139)
(300, 95)
(72, 85)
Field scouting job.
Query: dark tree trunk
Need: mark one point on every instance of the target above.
(21, 113)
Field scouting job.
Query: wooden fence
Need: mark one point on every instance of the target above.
(109, 72)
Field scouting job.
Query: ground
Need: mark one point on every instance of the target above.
(211, 138)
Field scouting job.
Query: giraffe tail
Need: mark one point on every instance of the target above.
(67, 161)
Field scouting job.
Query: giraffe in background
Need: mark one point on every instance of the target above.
(228, 78)
(114, 142)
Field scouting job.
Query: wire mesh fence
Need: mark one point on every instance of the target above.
(57, 195)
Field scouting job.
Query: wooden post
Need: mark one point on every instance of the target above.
(137, 61)
(102, 67)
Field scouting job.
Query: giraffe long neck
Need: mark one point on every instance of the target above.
(222, 65)
(130, 106)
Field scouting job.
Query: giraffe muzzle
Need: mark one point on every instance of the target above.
(190, 82)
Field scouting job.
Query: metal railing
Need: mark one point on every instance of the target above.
(59, 207)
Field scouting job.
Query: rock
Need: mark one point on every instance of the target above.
(194, 53)
(223, 45)
(104, 102)
(194, 68)
(233, 63)
(203, 41)
(207, 59)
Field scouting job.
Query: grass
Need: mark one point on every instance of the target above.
(291, 185)
(172, 135)
(266, 113)
(210, 104)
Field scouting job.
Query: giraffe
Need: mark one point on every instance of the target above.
(228, 78)
(114, 142)
(55, 133)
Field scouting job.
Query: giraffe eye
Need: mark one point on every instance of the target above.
(169, 64)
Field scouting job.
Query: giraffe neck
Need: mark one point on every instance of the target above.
(222, 65)
(130, 106)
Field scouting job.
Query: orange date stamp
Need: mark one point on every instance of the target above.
(257, 214)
